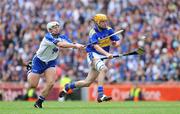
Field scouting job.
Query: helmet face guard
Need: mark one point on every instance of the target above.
(99, 18)
(53, 27)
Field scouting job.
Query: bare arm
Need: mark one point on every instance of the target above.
(102, 51)
(65, 44)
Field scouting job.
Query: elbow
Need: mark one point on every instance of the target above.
(61, 46)
(117, 45)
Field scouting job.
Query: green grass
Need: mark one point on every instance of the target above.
(78, 107)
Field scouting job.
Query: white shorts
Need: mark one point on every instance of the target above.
(98, 64)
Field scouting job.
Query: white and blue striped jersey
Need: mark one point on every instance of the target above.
(48, 50)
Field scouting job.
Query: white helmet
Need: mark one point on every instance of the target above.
(51, 24)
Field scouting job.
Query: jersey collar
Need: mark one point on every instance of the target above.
(98, 29)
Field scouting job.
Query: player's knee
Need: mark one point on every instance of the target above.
(33, 80)
(87, 83)
(32, 84)
(50, 84)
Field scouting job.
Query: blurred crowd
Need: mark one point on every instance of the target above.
(23, 25)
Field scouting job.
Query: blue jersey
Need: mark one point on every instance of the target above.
(97, 36)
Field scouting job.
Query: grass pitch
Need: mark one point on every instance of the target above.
(79, 107)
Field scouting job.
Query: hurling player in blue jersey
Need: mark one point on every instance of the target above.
(98, 49)
(44, 60)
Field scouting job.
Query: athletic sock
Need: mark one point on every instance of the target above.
(100, 91)
(70, 86)
(40, 99)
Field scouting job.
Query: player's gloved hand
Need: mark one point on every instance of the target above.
(29, 66)
(79, 46)
(110, 56)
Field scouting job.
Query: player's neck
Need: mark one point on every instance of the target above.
(99, 28)
(55, 35)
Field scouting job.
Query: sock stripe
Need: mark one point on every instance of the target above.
(67, 87)
(72, 85)
(100, 91)
(41, 98)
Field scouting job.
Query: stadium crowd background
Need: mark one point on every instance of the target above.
(23, 25)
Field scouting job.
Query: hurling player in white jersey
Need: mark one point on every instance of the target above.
(45, 59)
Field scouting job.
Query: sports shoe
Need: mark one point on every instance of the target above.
(104, 98)
(64, 93)
(38, 105)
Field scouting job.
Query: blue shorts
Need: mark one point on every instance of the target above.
(39, 66)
